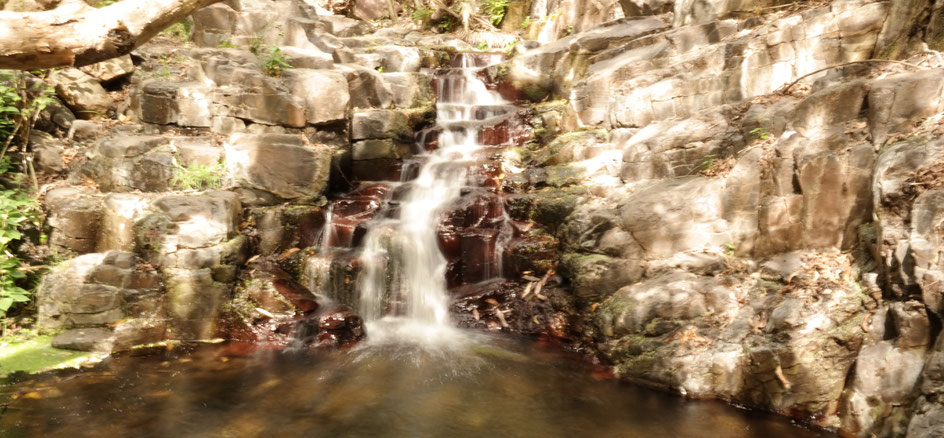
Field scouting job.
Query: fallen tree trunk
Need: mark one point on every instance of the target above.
(75, 34)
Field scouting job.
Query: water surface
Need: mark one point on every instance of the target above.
(487, 387)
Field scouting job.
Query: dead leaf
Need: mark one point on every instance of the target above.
(289, 253)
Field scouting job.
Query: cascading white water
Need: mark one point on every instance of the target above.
(401, 259)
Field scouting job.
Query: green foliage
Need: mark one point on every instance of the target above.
(380, 69)
(17, 209)
(103, 3)
(495, 9)
(482, 45)
(178, 31)
(22, 98)
(274, 64)
(762, 132)
(256, 45)
(510, 48)
(422, 14)
(447, 24)
(708, 163)
(199, 177)
(526, 23)
(165, 72)
(9, 105)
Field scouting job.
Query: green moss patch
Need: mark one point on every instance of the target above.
(37, 354)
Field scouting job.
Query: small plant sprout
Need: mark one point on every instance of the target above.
(526, 23)
(198, 176)
(482, 45)
(422, 14)
(510, 48)
(255, 45)
(225, 43)
(275, 63)
(761, 132)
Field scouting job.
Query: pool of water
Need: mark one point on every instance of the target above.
(487, 387)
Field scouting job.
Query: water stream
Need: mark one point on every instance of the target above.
(402, 287)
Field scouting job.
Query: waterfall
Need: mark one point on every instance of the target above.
(404, 270)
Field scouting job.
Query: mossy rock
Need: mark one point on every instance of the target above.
(548, 207)
(564, 175)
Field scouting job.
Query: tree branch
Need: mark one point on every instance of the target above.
(786, 89)
(75, 34)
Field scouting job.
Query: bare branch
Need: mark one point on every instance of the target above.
(76, 34)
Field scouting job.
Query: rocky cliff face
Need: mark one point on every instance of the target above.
(724, 199)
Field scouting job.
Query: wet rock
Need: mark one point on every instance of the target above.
(550, 312)
(336, 328)
(194, 300)
(279, 164)
(81, 93)
(410, 90)
(87, 339)
(373, 149)
(380, 124)
(281, 228)
(537, 253)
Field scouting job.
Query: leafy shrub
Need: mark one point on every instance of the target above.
(495, 9)
(22, 98)
(9, 105)
(16, 209)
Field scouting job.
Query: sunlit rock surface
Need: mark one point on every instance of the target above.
(643, 188)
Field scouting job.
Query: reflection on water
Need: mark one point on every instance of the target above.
(494, 387)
